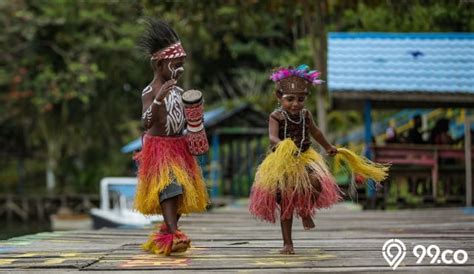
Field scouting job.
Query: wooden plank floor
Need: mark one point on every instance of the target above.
(228, 239)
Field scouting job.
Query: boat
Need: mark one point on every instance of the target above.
(116, 205)
(65, 219)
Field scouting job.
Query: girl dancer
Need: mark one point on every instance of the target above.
(294, 179)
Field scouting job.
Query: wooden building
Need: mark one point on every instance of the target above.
(369, 71)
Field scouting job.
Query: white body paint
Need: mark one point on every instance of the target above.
(147, 90)
(175, 114)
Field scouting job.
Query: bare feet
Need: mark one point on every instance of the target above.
(308, 223)
(181, 246)
(287, 249)
(181, 242)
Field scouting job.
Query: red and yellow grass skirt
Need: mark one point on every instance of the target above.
(162, 160)
(286, 174)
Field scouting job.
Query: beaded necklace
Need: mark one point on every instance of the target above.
(302, 119)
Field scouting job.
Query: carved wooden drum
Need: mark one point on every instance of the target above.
(194, 112)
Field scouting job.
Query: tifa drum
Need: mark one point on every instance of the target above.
(193, 106)
(194, 113)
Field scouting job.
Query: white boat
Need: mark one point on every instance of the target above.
(116, 205)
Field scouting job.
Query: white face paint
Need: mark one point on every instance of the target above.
(173, 71)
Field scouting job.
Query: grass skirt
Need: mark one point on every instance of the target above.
(291, 177)
(162, 160)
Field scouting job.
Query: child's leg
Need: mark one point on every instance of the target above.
(307, 221)
(169, 200)
(171, 217)
(286, 226)
(170, 213)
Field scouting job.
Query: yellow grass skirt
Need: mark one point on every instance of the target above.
(162, 161)
(288, 184)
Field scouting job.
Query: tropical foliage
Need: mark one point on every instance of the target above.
(71, 75)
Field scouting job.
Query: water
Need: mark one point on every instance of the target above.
(15, 229)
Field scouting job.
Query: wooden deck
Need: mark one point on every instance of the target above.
(228, 239)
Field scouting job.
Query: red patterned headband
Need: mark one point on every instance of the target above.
(173, 51)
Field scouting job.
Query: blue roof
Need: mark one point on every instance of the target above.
(401, 62)
(209, 118)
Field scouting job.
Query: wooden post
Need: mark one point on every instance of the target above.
(321, 110)
(468, 158)
(215, 165)
(21, 175)
(226, 169)
(434, 176)
(204, 163)
(237, 165)
(318, 40)
(233, 169)
(39, 208)
(371, 191)
(368, 127)
(25, 206)
(222, 163)
(249, 166)
(8, 203)
(259, 150)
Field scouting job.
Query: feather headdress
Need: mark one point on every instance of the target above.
(295, 80)
(301, 71)
(160, 41)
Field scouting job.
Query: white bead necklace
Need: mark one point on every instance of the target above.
(287, 116)
(302, 119)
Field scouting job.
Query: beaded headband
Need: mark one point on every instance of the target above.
(174, 51)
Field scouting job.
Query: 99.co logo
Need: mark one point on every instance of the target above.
(437, 256)
(448, 256)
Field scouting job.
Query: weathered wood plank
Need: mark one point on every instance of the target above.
(230, 240)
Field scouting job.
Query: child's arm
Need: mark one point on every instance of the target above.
(149, 111)
(319, 136)
(273, 130)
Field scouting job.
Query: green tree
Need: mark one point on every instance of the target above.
(70, 74)
(63, 81)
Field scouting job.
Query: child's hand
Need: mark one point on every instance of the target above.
(332, 150)
(166, 88)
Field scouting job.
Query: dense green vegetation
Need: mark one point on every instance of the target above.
(71, 75)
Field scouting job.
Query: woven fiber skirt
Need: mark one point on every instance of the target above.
(161, 162)
(285, 184)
